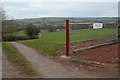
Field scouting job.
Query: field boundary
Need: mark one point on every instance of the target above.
(96, 34)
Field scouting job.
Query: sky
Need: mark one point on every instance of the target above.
(19, 9)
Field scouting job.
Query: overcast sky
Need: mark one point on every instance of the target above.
(60, 8)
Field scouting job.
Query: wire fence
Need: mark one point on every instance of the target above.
(84, 35)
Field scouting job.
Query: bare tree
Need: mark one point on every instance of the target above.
(2, 13)
(2, 17)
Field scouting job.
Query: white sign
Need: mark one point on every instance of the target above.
(97, 25)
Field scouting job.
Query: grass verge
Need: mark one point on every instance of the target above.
(13, 56)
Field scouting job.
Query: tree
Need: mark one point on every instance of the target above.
(9, 27)
(2, 13)
(2, 17)
(32, 30)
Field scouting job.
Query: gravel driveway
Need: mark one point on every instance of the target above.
(47, 67)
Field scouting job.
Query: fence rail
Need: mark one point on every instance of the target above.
(86, 29)
(87, 43)
(91, 43)
(91, 46)
(91, 34)
(79, 23)
(94, 39)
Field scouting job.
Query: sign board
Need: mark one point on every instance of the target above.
(97, 25)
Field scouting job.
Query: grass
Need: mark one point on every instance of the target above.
(13, 56)
(44, 46)
(51, 42)
(92, 31)
(19, 33)
(43, 30)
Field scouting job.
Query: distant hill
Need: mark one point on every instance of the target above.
(61, 20)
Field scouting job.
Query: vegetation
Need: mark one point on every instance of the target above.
(52, 43)
(2, 11)
(61, 20)
(19, 33)
(51, 40)
(13, 55)
(92, 31)
(9, 29)
(11, 33)
(32, 30)
(15, 38)
(53, 23)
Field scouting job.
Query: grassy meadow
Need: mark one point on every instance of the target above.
(51, 42)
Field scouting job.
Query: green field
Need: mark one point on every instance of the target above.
(51, 42)
(92, 31)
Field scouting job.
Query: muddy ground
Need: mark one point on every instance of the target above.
(101, 61)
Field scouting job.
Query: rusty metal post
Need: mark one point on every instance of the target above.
(67, 37)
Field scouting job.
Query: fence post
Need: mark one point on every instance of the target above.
(67, 37)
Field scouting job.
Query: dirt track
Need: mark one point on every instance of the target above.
(10, 70)
(47, 67)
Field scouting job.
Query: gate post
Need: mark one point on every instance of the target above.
(67, 37)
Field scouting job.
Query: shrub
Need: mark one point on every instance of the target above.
(52, 30)
(32, 30)
(15, 38)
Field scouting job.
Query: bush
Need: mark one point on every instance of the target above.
(15, 38)
(52, 30)
(32, 30)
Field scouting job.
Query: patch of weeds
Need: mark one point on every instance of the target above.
(86, 62)
(115, 58)
(117, 67)
(74, 61)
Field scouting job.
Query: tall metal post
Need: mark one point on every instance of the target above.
(67, 37)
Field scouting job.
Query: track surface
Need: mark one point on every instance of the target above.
(10, 70)
(47, 67)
